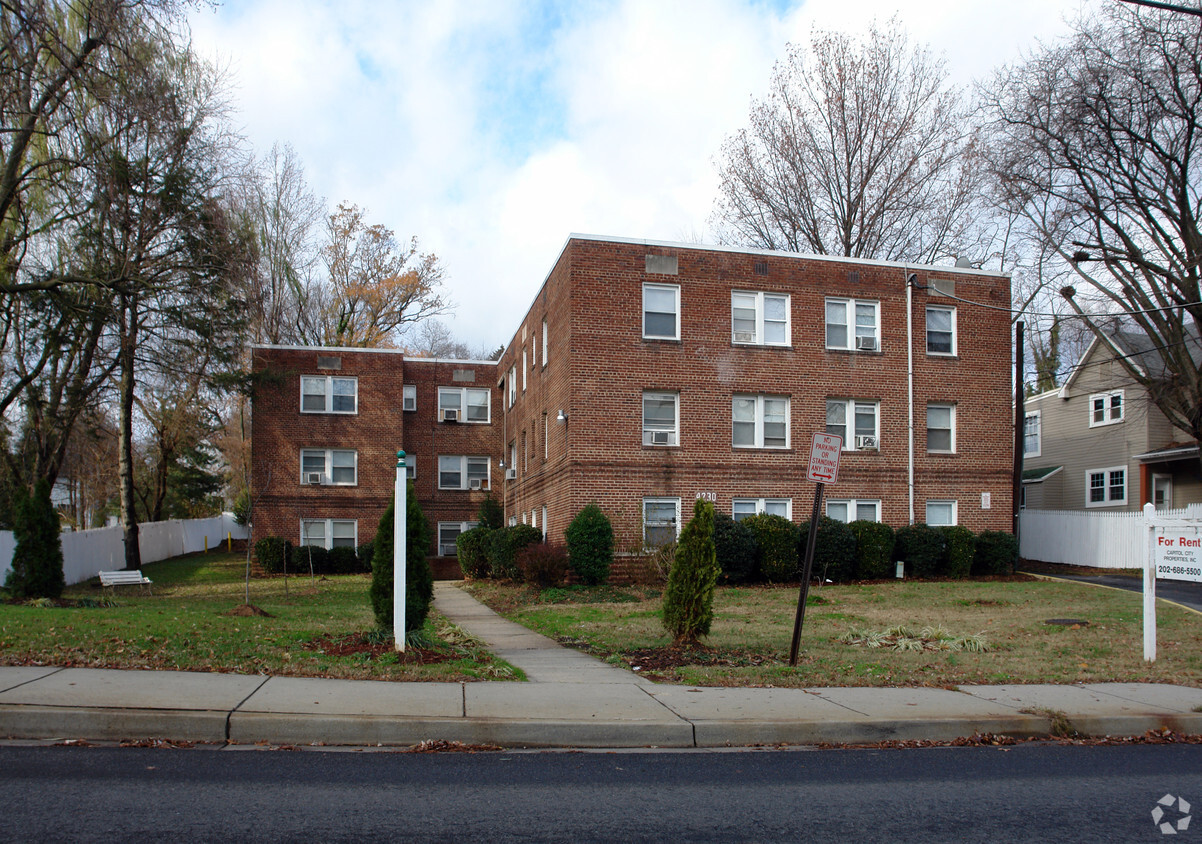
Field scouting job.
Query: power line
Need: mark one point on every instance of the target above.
(1172, 7)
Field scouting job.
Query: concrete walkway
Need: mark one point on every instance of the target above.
(571, 701)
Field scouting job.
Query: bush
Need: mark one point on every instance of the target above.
(241, 507)
(37, 560)
(776, 546)
(920, 547)
(272, 552)
(689, 597)
(471, 547)
(503, 548)
(834, 552)
(590, 539)
(491, 514)
(342, 560)
(996, 552)
(365, 552)
(958, 551)
(734, 543)
(308, 559)
(874, 549)
(419, 580)
(543, 564)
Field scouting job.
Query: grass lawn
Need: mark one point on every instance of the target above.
(321, 628)
(749, 641)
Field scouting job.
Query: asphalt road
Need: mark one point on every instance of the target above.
(1183, 592)
(1023, 793)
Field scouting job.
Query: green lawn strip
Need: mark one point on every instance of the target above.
(319, 627)
(749, 640)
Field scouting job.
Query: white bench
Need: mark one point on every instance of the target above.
(124, 578)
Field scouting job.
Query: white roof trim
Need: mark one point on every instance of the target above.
(1184, 451)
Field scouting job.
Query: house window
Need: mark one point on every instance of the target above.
(1105, 408)
(330, 533)
(513, 385)
(853, 324)
(854, 509)
(329, 394)
(741, 508)
(544, 344)
(941, 331)
(759, 318)
(409, 397)
(661, 311)
(464, 404)
(941, 428)
(760, 421)
(940, 513)
(1031, 441)
(333, 466)
(864, 433)
(1106, 487)
(448, 532)
(524, 368)
(661, 520)
(659, 418)
(460, 472)
(411, 466)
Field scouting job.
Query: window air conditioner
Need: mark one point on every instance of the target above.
(474, 483)
(313, 478)
(866, 344)
(867, 442)
(744, 336)
(449, 415)
(511, 474)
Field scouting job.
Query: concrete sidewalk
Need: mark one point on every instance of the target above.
(571, 700)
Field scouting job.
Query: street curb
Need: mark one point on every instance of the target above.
(23, 721)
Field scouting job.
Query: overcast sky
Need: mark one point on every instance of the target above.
(492, 129)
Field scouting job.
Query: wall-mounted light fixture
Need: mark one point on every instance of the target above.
(562, 418)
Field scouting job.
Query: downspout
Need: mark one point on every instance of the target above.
(911, 279)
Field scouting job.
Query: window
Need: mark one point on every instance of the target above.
(1105, 408)
(329, 394)
(865, 416)
(661, 518)
(513, 385)
(941, 513)
(336, 466)
(465, 405)
(941, 331)
(1031, 441)
(544, 523)
(854, 509)
(457, 472)
(741, 508)
(330, 533)
(448, 532)
(661, 311)
(411, 466)
(853, 324)
(409, 397)
(759, 318)
(544, 344)
(941, 428)
(760, 421)
(1106, 487)
(659, 418)
(524, 368)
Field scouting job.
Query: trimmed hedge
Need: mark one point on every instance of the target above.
(958, 551)
(776, 546)
(735, 545)
(996, 553)
(503, 547)
(920, 547)
(874, 549)
(590, 539)
(365, 552)
(834, 551)
(272, 552)
(471, 548)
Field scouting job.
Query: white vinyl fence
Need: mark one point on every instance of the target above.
(87, 552)
(1086, 538)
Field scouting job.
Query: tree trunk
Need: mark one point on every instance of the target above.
(125, 459)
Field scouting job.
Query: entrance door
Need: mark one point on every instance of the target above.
(1162, 492)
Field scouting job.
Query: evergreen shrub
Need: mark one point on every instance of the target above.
(272, 552)
(503, 548)
(776, 546)
(920, 547)
(37, 560)
(419, 580)
(491, 514)
(996, 553)
(834, 552)
(735, 545)
(688, 608)
(590, 538)
(874, 549)
(471, 548)
(958, 551)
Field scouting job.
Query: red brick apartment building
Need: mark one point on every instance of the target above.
(648, 374)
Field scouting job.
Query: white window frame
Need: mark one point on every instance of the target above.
(939, 502)
(513, 385)
(850, 324)
(647, 523)
(758, 420)
(465, 461)
(462, 406)
(759, 506)
(951, 408)
(525, 360)
(954, 332)
(850, 406)
(1107, 487)
(327, 460)
(1108, 417)
(1038, 433)
(853, 505)
(410, 466)
(674, 289)
(674, 431)
(462, 527)
(328, 532)
(409, 397)
(328, 406)
(544, 344)
(755, 301)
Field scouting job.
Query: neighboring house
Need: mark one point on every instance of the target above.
(1098, 442)
(646, 375)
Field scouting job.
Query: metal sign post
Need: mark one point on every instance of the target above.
(824, 468)
(399, 541)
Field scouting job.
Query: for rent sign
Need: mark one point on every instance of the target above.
(1178, 554)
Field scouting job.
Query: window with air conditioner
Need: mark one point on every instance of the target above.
(853, 324)
(461, 471)
(760, 318)
(329, 394)
(866, 344)
(334, 466)
(472, 405)
(856, 421)
(760, 421)
(448, 532)
(511, 474)
(661, 412)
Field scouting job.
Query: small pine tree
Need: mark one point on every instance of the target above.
(590, 539)
(689, 598)
(37, 564)
(419, 580)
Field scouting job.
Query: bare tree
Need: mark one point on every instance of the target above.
(860, 149)
(1096, 145)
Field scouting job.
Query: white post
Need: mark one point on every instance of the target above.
(398, 554)
(1150, 587)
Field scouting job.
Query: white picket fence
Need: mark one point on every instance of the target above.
(87, 552)
(1086, 538)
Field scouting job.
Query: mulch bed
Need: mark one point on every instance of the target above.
(361, 643)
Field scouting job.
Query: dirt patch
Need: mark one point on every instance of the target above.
(375, 648)
(248, 610)
(670, 657)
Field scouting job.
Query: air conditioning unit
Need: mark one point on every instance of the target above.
(661, 437)
(744, 336)
(511, 474)
(865, 442)
(313, 478)
(474, 483)
(449, 415)
(866, 344)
